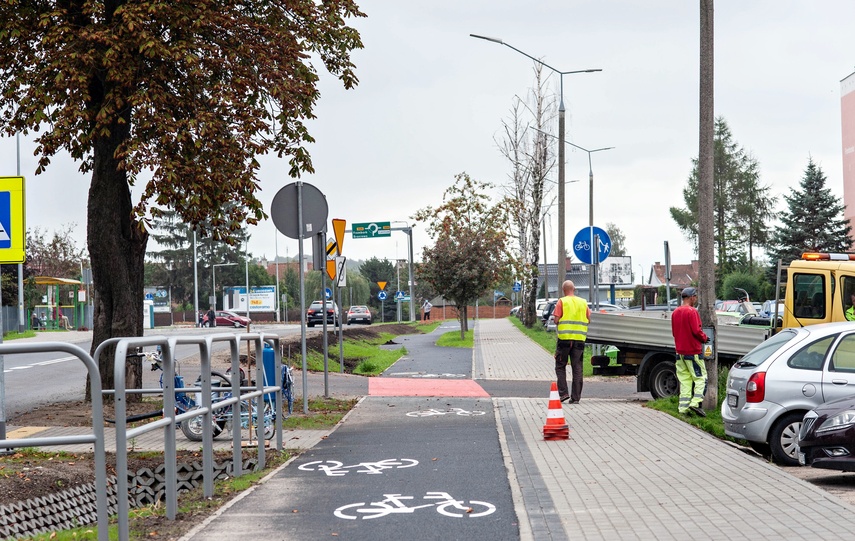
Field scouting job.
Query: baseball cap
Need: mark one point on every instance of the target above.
(689, 292)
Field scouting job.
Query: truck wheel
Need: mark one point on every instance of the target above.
(663, 380)
(784, 439)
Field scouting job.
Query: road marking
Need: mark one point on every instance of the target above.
(42, 363)
(24, 432)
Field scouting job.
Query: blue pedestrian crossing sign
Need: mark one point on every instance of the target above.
(399, 295)
(12, 223)
(382, 295)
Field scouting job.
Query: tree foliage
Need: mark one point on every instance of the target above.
(742, 205)
(527, 149)
(190, 92)
(470, 253)
(57, 256)
(615, 233)
(813, 221)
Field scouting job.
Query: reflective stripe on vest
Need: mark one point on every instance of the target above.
(573, 324)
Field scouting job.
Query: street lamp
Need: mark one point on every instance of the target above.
(595, 247)
(214, 281)
(562, 262)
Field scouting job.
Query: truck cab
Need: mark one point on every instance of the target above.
(819, 289)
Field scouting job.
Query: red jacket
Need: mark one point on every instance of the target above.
(686, 328)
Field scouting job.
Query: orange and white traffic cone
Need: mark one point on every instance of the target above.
(556, 427)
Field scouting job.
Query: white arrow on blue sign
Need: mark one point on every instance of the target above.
(517, 286)
(328, 293)
(382, 295)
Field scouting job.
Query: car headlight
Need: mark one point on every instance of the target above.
(842, 420)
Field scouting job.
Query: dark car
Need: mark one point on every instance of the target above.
(827, 436)
(225, 318)
(315, 313)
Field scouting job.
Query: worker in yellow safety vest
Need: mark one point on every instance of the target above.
(571, 315)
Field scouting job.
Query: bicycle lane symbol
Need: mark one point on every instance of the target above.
(456, 411)
(334, 468)
(393, 504)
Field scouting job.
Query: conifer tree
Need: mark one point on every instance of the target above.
(813, 222)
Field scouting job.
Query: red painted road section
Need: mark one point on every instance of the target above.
(425, 387)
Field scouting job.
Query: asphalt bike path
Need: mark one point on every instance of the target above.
(428, 465)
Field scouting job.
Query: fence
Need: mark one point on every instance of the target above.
(123, 346)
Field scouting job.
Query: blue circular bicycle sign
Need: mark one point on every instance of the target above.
(583, 241)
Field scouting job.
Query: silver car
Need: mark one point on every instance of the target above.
(775, 384)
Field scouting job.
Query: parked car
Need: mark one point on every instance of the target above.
(768, 309)
(540, 305)
(771, 389)
(549, 322)
(225, 318)
(827, 436)
(359, 314)
(515, 311)
(315, 313)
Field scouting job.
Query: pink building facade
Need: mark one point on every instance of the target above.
(847, 118)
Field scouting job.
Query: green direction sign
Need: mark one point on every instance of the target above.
(370, 230)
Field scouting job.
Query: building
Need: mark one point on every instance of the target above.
(681, 275)
(847, 117)
(616, 283)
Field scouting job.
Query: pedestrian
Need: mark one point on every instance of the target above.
(850, 312)
(426, 306)
(688, 341)
(212, 317)
(571, 315)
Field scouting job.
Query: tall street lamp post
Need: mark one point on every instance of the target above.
(562, 261)
(595, 247)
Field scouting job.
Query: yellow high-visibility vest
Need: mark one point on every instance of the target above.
(573, 324)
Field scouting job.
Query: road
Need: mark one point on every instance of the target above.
(34, 379)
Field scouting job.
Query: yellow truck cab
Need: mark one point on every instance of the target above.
(819, 289)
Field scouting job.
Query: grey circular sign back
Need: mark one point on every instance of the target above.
(284, 211)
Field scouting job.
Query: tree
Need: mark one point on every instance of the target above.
(529, 153)
(58, 257)
(470, 254)
(618, 240)
(741, 204)
(175, 88)
(813, 221)
(376, 270)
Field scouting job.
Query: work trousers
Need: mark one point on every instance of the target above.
(692, 375)
(574, 350)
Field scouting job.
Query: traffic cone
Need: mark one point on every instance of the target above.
(556, 427)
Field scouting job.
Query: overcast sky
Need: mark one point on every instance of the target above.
(431, 100)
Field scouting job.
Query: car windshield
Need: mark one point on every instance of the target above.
(765, 349)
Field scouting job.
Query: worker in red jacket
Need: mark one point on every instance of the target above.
(689, 339)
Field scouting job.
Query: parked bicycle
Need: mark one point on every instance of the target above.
(224, 418)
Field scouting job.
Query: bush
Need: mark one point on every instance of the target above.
(744, 280)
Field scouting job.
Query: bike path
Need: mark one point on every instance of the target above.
(424, 467)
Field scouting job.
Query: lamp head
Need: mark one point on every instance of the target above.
(494, 40)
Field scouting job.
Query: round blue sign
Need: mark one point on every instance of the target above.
(517, 286)
(382, 295)
(584, 240)
(328, 293)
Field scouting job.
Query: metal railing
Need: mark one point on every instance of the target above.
(170, 420)
(97, 436)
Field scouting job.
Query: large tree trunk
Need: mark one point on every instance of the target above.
(117, 244)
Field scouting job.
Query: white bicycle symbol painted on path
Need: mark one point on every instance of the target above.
(439, 376)
(431, 412)
(393, 504)
(333, 468)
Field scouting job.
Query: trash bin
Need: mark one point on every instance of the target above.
(269, 365)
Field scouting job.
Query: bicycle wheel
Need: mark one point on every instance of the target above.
(287, 389)
(471, 509)
(268, 418)
(192, 427)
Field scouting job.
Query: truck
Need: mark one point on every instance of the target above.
(818, 289)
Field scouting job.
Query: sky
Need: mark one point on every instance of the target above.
(431, 101)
